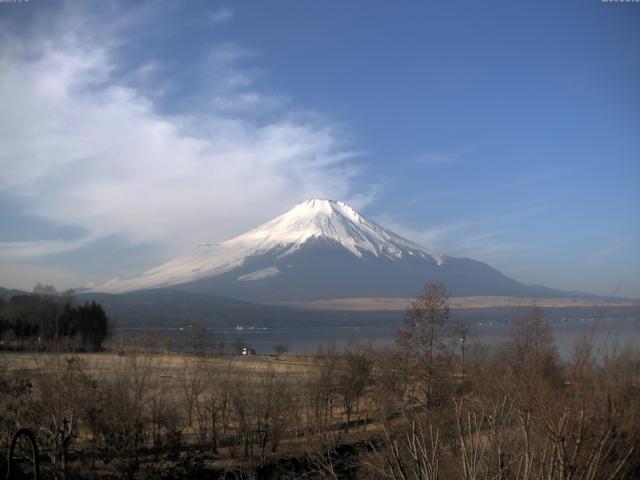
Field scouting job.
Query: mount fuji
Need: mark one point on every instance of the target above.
(321, 249)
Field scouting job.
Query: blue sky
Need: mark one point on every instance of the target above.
(508, 132)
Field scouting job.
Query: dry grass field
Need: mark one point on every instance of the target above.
(360, 304)
(225, 413)
(431, 407)
(170, 365)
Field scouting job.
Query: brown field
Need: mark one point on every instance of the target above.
(516, 411)
(382, 303)
(170, 364)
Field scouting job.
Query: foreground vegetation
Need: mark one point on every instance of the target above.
(436, 406)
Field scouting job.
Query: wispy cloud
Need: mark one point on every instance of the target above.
(532, 178)
(471, 239)
(221, 15)
(615, 245)
(12, 251)
(520, 210)
(435, 158)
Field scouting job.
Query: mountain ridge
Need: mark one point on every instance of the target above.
(321, 249)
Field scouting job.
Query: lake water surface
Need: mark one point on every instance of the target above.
(305, 338)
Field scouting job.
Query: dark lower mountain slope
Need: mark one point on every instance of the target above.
(174, 308)
(321, 269)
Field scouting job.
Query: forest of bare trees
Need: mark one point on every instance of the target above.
(436, 405)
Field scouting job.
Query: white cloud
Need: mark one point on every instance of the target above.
(221, 15)
(615, 245)
(90, 148)
(23, 250)
(470, 239)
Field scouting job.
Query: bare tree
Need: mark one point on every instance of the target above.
(412, 452)
(424, 334)
(531, 349)
(280, 348)
(241, 401)
(198, 337)
(271, 406)
(191, 384)
(352, 380)
(320, 386)
(391, 380)
(216, 400)
(63, 387)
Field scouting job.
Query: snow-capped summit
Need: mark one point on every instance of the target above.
(331, 220)
(318, 249)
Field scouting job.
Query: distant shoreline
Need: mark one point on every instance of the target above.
(383, 303)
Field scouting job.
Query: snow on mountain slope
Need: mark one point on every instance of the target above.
(331, 220)
(328, 220)
(259, 274)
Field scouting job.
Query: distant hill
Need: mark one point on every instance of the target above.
(7, 293)
(175, 308)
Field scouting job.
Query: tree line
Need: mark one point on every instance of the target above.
(47, 318)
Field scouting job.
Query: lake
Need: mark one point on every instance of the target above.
(616, 331)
